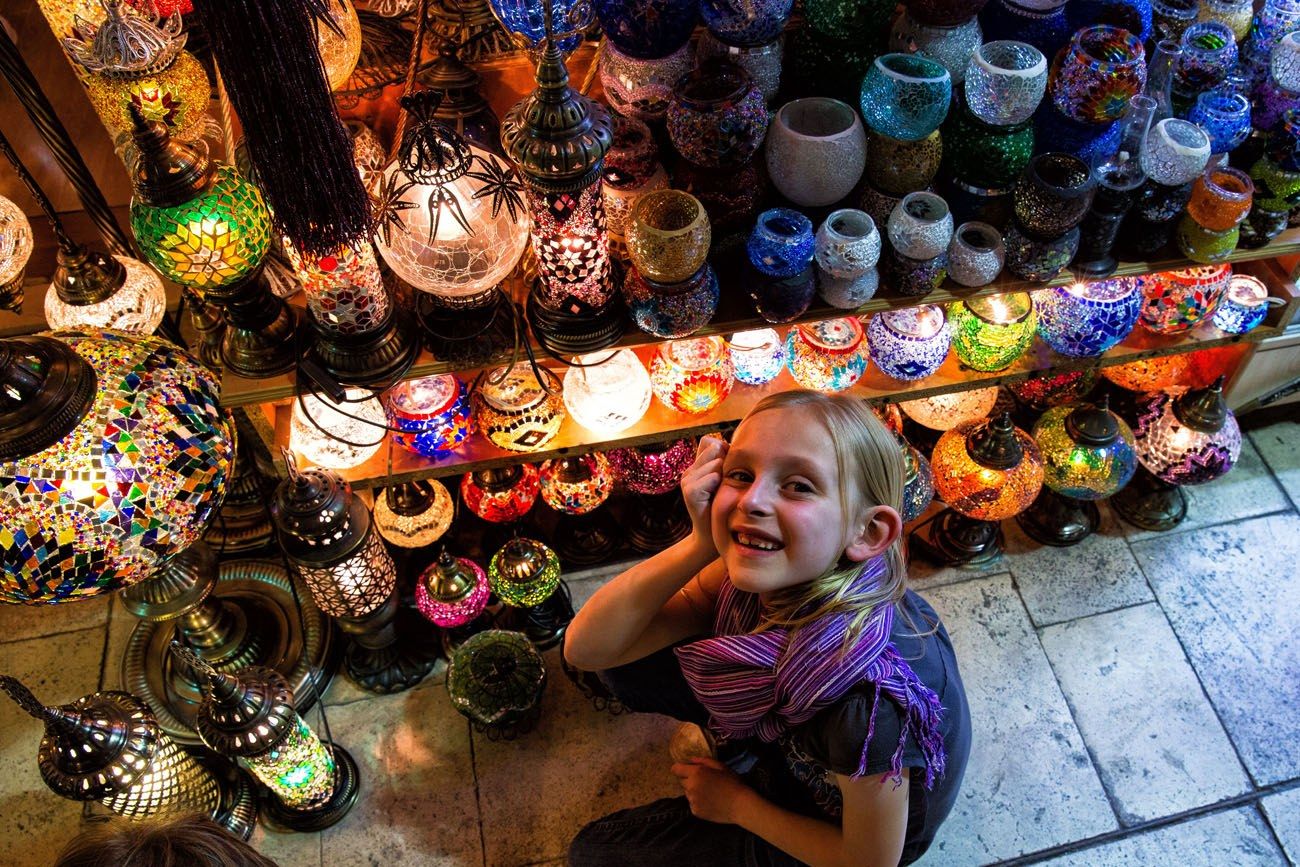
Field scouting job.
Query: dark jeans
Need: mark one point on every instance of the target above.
(665, 833)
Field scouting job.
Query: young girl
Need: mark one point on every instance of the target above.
(783, 623)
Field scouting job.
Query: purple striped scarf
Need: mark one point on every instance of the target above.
(766, 683)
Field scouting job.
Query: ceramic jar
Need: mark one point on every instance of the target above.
(905, 96)
(847, 248)
(717, 117)
(1005, 82)
(816, 150)
(976, 254)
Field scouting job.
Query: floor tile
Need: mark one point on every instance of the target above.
(1277, 446)
(1029, 784)
(1232, 597)
(1233, 837)
(342, 690)
(418, 803)
(20, 622)
(35, 823)
(1283, 811)
(288, 850)
(1057, 584)
(607, 763)
(1158, 745)
(1246, 491)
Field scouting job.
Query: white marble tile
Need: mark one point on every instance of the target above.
(1232, 597)
(1279, 446)
(288, 849)
(1057, 584)
(1246, 491)
(20, 622)
(1029, 784)
(1283, 811)
(418, 803)
(1233, 837)
(35, 823)
(576, 766)
(1158, 745)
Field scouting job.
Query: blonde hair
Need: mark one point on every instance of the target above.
(871, 472)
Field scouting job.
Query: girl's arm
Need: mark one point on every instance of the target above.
(656, 603)
(873, 825)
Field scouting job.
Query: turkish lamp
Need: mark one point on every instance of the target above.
(607, 392)
(918, 483)
(525, 575)
(414, 514)
(94, 290)
(328, 537)
(452, 592)
(115, 456)
(339, 41)
(654, 468)
(985, 471)
(251, 716)
(108, 747)
(501, 495)
(15, 251)
(945, 411)
(757, 356)
(1187, 436)
(135, 60)
(1088, 454)
(451, 217)
(496, 680)
(989, 333)
(577, 485)
(338, 436)
(431, 414)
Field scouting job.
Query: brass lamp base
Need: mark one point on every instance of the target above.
(347, 783)
(956, 540)
(545, 622)
(393, 657)
(379, 356)
(247, 616)
(236, 810)
(470, 331)
(586, 540)
(657, 521)
(1150, 503)
(1057, 520)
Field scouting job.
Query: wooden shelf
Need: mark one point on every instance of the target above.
(735, 313)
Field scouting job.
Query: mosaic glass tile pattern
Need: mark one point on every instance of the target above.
(905, 96)
(337, 436)
(1244, 306)
(1085, 319)
(672, 310)
(652, 469)
(135, 482)
(433, 414)
(981, 492)
(1005, 81)
(1177, 301)
(496, 678)
(692, 376)
(299, 770)
(579, 495)
(829, 355)
(213, 240)
(504, 504)
(951, 46)
(345, 291)
(946, 411)
(918, 490)
(449, 613)
(990, 333)
(756, 356)
(668, 236)
(572, 247)
(1176, 453)
(607, 392)
(138, 306)
(177, 96)
(1093, 80)
(1079, 470)
(717, 116)
(909, 344)
(524, 572)
(515, 412)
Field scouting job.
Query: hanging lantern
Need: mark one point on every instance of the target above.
(524, 572)
(516, 411)
(757, 356)
(337, 436)
(339, 41)
(132, 59)
(107, 747)
(1082, 320)
(501, 495)
(946, 411)
(452, 592)
(251, 716)
(578, 485)
(432, 412)
(451, 218)
(829, 355)
(15, 250)
(1041, 393)
(114, 456)
(607, 393)
(990, 333)
(692, 376)
(414, 514)
(93, 290)
(918, 484)
(910, 343)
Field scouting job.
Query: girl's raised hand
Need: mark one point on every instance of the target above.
(700, 482)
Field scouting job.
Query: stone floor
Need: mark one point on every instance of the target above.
(1134, 701)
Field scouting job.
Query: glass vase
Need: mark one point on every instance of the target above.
(717, 117)
(846, 250)
(1175, 152)
(905, 96)
(1005, 82)
(515, 411)
(763, 62)
(950, 45)
(432, 413)
(1237, 14)
(1209, 54)
(829, 355)
(668, 236)
(1284, 62)
(898, 167)
(1054, 132)
(1102, 68)
(909, 344)
(1225, 118)
(692, 376)
(816, 150)
(782, 243)
(920, 227)
(1171, 18)
(976, 254)
(915, 277)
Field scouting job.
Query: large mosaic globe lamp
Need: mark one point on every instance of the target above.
(113, 458)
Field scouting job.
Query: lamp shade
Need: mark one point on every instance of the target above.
(345, 290)
(134, 480)
(756, 356)
(1186, 436)
(946, 411)
(988, 470)
(433, 414)
(910, 343)
(340, 44)
(516, 411)
(1085, 319)
(692, 376)
(136, 305)
(337, 436)
(452, 591)
(607, 392)
(829, 355)
(1177, 301)
(15, 246)
(1088, 451)
(577, 485)
(503, 494)
(991, 332)
(918, 484)
(524, 572)
(414, 514)
(652, 469)
(496, 679)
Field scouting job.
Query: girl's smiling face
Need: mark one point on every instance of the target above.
(778, 517)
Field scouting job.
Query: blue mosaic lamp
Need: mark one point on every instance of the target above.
(1083, 320)
(432, 413)
(756, 356)
(905, 96)
(909, 344)
(525, 21)
(1244, 305)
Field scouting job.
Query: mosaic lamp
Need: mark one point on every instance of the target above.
(519, 408)
(451, 218)
(577, 487)
(653, 472)
(1088, 455)
(501, 495)
(307, 785)
(910, 343)
(107, 747)
(338, 41)
(328, 536)
(337, 435)
(757, 356)
(496, 680)
(607, 392)
(431, 414)
(114, 457)
(15, 250)
(692, 376)
(414, 514)
(946, 411)
(985, 471)
(829, 355)
(991, 332)
(525, 575)
(1082, 320)
(205, 227)
(918, 483)
(452, 592)
(1183, 437)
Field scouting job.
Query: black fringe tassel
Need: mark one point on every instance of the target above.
(301, 151)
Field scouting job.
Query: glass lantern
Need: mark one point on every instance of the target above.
(501, 495)
(909, 344)
(524, 572)
(432, 413)
(414, 514)
(756, 356)
(1186, 436)
(991, 332)
(829, 355)
(1088, 451)
(918, 484)
(1041, 393)
(1177, 301)
(496, 680)
(515, 411)
(987, 484)
(1082, 320)
(340, 45)
(452, 591)
(15, 251)
(345, 291)
(338, 436)
(1244, 306)
(607, 392)
(692, 376)
(137, 305)
(576, 486)
(652, 469)
(946, 411)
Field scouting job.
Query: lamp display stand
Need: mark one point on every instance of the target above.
(657, 521)
(378, 356)
(235, 616)
(1058, 520)
(260, 329)
(1150, 503)
(470, 331)
(586, 540)
(955, 539)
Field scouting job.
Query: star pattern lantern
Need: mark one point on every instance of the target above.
(989, 333)
(576, 486)
(829, 355)
(1177, 301)
(946, 411)
(115, 455)
(607, 392)
(452, 592)
(909, 344)
(692, 376)
(502, 495)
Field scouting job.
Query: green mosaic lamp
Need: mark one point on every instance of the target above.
(991, 332)
(525, 575)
